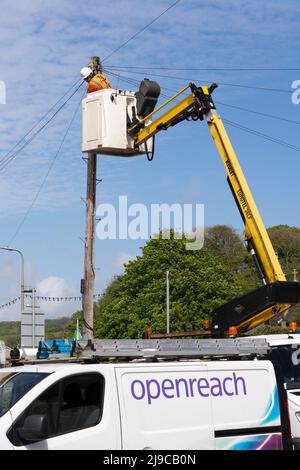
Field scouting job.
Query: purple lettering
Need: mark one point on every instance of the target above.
(218, 387)
(165, 387)
(190, 387)
(205, 386)
(133, 393)
(150, 396)
(224, 386)
(236, 380)
(192, 381)
(177, 383)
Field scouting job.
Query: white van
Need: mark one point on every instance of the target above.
(285, 350)
(181, 404)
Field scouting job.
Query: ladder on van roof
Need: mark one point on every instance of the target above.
(103, 350)
(152, 349)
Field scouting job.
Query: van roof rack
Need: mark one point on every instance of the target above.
(103, 350)
(152, 349)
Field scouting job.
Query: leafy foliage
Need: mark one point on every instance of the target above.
(269, 330)
(286, 241)
(225, 243)
(10, 331)
(198, 283)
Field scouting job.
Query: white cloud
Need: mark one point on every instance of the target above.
(7, 272)
(10, 275)
(51, 286)
(54, 286)
(43, 45)
(57, 287)
(123, 258)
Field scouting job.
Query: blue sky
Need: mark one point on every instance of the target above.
(43, 45)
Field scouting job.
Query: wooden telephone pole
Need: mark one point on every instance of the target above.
(89, 272)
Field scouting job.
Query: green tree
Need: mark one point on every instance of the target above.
(10, 331)
(199, 280)
(286, 242)
(198, 283)
(224, 242)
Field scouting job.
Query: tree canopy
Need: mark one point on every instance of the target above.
(224, 242)
(198, 283)
(286, 242)
(200, 280)
(227, 245)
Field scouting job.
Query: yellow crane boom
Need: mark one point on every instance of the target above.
(277, 294)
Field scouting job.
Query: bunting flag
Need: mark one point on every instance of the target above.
(48, 299)
(9, 304)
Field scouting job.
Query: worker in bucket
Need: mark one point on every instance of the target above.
(96, 81)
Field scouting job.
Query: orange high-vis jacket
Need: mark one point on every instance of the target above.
(98, 82)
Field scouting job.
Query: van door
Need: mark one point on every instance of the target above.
(13, 386)
(75, 412)
(165, 406)
(245, 405)
(5, 424)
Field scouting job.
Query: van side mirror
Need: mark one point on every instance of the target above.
(35, 428)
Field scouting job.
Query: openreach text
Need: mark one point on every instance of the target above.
(153, 389)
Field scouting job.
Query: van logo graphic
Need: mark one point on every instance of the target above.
(153, 389)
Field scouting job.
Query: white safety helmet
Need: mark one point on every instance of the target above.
(86, 72)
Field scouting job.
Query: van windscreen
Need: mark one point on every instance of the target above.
(14, 385)
(288, 358)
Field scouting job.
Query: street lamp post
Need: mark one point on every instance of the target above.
(22, 273)
(168, 301)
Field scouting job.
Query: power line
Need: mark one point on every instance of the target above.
(135, 82)
(262, 135)
(141, 30)
(129, 80)
(45, 177)
(39, 121)
(202, 69)
(188, 79)
(6, 160)
(239, 126)
(272, 116)
(246, 129)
